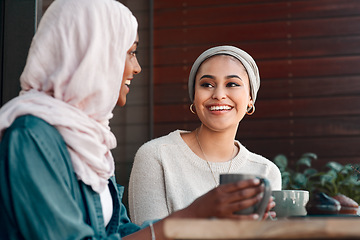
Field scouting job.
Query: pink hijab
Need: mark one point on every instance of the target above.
(72, 80)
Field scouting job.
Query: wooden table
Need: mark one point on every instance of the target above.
(298, 228)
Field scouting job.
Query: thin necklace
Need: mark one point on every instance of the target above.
(197, 139)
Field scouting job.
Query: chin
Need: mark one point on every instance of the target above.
(121, 102)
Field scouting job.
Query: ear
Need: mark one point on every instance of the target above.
(251, 102)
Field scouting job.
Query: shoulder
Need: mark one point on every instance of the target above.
(173, 138)
(38, 147)
(32, 125)
(158, 149)
(258, 160)
(263, 167)
(27, 121)
(29, 135)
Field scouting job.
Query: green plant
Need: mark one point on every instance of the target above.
(333, 179)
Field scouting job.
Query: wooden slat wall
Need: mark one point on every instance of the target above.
(308, 53)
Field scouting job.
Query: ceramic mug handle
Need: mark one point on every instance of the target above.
(265, 200)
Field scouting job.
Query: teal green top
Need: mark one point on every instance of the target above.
(40, 196)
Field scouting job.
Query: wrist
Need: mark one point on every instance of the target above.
(184, 213)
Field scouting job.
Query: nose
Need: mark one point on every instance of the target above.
(219, 93)
(137, 67)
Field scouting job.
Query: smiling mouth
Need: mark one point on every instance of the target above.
(127, 82)
(220, 108)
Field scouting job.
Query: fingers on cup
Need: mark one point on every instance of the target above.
(269, 215)
(239, 185)
(270, 206)
(255, 193)
(272, 214)
(245, 203)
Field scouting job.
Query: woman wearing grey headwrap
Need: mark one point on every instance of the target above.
(246, 60)
(173, 170)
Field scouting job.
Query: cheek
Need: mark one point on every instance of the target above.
(202, 94)
(241, 99)
(126, 70)
(199, 99)
(127, 67)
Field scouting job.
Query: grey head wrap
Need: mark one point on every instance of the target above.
(248, 62)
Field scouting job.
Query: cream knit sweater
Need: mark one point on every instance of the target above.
(167, 176)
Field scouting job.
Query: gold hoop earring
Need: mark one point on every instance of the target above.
(191, 109)
(252, 112)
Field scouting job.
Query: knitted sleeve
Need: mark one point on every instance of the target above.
(147, 197)
(275, 177)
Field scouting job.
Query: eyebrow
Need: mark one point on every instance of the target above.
(207, 76)
(233, 76)
(227, 77)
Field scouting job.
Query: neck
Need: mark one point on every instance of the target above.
(216, 146)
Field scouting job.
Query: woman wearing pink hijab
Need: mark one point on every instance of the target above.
(56, 169)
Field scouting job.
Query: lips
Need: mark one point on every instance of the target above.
(220, 108)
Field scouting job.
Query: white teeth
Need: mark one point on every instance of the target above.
(219, 108)
(127, 82)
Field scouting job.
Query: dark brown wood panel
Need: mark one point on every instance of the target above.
(171, 93)
(290, 128)
(308, 107)
(323, 8)
(244, 13)
(221, 14)
(262, 50)
(269, 148)
(324, 147)
(166, 4)
(173, 113)
(260, 31)
(304, 8)
(312, 67)
(171, 74)
(346, 85)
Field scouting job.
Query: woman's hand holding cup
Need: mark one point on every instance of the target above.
(228, 200)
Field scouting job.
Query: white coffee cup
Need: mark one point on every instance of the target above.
(290, 203)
